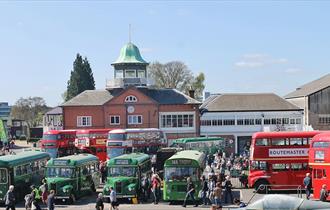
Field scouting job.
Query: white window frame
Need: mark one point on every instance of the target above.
(80, 121)
(183, 129)
(131, 99)
(131, 121)
(115, 117)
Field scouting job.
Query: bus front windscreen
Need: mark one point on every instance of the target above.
(180, 173)
(117, 136)
(122, 171)
(3, 175)
(115, 152)
(51, 151)
(60, 172)
(51, 137)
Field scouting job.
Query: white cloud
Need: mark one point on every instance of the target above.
(257, 60)
(293, 70)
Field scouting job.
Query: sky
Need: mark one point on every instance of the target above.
(241, 46)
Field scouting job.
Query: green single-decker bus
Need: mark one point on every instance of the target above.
(73, 176)
(184, 164)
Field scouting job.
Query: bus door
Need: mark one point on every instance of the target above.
(319, 178)
(4, 181)
(96, 175)
(279, 174)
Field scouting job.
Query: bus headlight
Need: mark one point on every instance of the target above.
(65, 190)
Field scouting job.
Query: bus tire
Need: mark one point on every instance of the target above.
(258, 184)
(72, 199)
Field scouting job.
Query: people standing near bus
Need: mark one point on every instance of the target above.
(35, 197)
(211, 186)
(190, 193)
(308, 185)
(113, 199)
(10, 198)
(205, 190)
(155, 183)
(217, 193)
(99, 202)
(324, 193)
(228, 190)
(44, 191)
(103, 171)
(51, 200)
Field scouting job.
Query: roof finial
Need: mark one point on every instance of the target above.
(129, 33)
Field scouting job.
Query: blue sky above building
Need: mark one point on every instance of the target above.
(241, 46)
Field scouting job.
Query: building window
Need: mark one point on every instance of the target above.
(267, 121)
(324, 119)
(141, 74)
(114, 119)
(134, 119)
(298, 121)
(84, 121)
(292, 121)
(258, 121)
(179, 121)
(130, 99)
(130, 73)
(119, 74)
(229, 122)
(240, 122)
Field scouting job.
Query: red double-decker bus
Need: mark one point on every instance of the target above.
(92, 141)
(58, 143)
(145, 140)
(279, 159)
(319, 161)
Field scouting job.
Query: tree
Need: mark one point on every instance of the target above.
(81, 78)
(176, 75)
(30, 110)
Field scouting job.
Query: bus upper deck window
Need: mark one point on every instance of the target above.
(296, 141)
(261, 142)
(280, 142)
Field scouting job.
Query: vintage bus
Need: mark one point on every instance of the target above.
(184, 164)
(125, 174)
(21, 170)
(279, 159)
(92, 141)
(208, 145)
(73, 176)
(58, 143)
(319, 161)
(144, 140)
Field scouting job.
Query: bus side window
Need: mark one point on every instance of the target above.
(261, 142)
(319, 173)
(18, 171)
(296, 166)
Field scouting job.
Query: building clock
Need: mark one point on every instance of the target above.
(130, 109)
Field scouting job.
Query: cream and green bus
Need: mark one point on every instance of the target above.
(21, 170)
(184, 164)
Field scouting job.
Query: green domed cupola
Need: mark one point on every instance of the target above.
(129, 54)
(130, 68)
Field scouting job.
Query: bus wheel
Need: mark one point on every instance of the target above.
(72, 199)
(260, 186)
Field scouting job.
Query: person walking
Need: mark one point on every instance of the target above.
(10, 198)
(308, 185)
(205, 190)
(217, 193)
(190, 193)
(324, 193)
(155, 183)
(51, 200)
(113, 199)
(44, 191)
(99, 202)
(35, 198)
(228, 190)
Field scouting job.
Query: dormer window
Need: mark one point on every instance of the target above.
(130, 99)
(119, 74)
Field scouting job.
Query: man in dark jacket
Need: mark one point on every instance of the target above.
(190, 193)
(10, 198)
(51, 200)
(228, 190)
(308, 185)
(205, 189)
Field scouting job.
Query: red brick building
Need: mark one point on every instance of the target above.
(129, 101)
